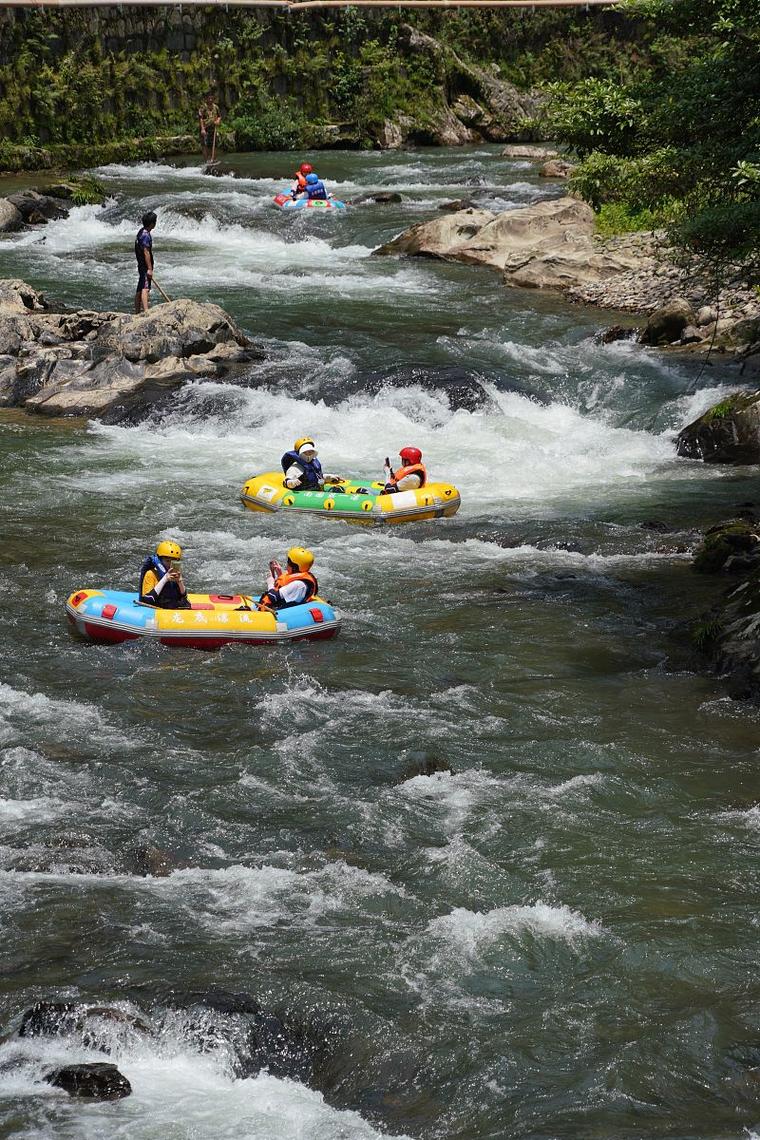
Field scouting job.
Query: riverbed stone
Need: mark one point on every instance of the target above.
(728, 432)
(99, 1081)
(31, 204)
(556, 168)
(535, 151)
(10, 217)
(667, 324)
(88, 363)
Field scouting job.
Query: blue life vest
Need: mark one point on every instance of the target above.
(312, 477)
(316, 190)
(170, 597)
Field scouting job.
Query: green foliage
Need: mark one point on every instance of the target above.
(595, 115)
(620, 218)
(260, 123)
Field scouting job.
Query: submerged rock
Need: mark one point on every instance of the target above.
(424, 765)
(89, 364)
(613, 333)
(94, 1081)
(728, 432)
(381, 197)
(60, 1019)
(457, 205)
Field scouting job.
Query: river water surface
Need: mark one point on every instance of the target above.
(557, 937)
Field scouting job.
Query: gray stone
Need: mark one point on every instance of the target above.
(557, 168)
(706, 315)
(728, 432)
(667, 324)
(31, 205)
(98, 1081)
(10, 217)
(691, 335)
(530, 150)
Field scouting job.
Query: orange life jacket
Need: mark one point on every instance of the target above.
(301, 180)
(312, 587)
(412, 469)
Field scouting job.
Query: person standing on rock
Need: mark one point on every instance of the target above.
(144, 255)
(209, 120)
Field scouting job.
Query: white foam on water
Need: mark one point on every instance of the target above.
(176, 1092)
(39, 810)
(469, 933)
(60, 720)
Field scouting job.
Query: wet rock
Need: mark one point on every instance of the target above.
(655, 525)
(463, 390)
(49, 1019)
(152, 862)
(667, 324)
(457, 205)
(725, 549)
(89, 364)
(381, 197)
(613, 333)
(424, 765)
(728, 432)
(440, 237)
(10, 217)
(31, 205)
(221, 170)
(557, 168)
(93, 1081)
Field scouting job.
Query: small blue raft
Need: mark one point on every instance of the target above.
(285, 202)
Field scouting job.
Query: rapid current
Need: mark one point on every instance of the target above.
(557, 937)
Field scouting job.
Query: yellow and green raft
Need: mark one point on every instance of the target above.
(352, 500)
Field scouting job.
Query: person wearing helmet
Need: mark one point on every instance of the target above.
(303, 471)
(315, 188)
(410, 476)
(292, 586)
(161, 582)
(299, 186)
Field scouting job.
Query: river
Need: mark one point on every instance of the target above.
(557, 937)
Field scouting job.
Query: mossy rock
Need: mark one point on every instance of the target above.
(81, 190)
(728, 432)
(730, 548)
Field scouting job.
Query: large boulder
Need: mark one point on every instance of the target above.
(93, 1081)
(441, 237)
(16, 297)
(534, 151)
(667, 324)
(38, 208)
(10, 217)
(728, 432)
(516, 237)
(557, 168)
(90, 364)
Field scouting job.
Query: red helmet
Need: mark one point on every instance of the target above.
(410, 455)
(305, 168)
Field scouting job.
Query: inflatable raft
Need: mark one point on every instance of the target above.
(354, 501)
(285, 202)
(213, 620)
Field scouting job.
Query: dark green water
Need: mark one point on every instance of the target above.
(555, 939)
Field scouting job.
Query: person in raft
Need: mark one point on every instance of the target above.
(292, 586)
(299, 186)
(303, 471)
(315, 188)
(209, 120)
(144, 255)
(410, 476)
(161, 582)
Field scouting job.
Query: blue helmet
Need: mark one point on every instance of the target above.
(311, 179)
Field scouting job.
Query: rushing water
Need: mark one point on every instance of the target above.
(556, 938)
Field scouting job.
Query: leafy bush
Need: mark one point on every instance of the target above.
(620, 218)
(596, 114)
(266, 124)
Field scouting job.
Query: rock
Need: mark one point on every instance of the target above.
(656, 525)
(667, 323)
(529, 150)
(440, 237)
(30, 203)
(10, 217)
(16, 297)
(221, 170)
(463, 389)
(691, 335)
(49, 1019)
(59, 1019)
(557, 168)
(547, 245)
(613, 333)
(153, 862)
(729, 432)
(94, 1081)
(382, 197)
(707, 315)
(424, 765)
(90, 364)
(390, 136)
(457, 205)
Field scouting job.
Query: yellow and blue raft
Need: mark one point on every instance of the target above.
(352, 500)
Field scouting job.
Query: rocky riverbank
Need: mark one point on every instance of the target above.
(554, 245)
(109, 365)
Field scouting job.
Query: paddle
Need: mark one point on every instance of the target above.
(213, 147)
(165, 297)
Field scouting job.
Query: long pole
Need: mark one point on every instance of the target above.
(161, 290)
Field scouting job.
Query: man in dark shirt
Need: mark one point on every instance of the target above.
(144, 255)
